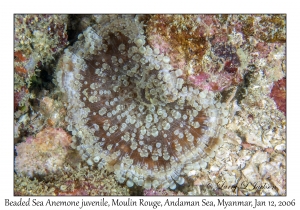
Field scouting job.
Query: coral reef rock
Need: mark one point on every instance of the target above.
(80, 181)
(43, 154)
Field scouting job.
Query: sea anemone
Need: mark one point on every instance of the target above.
(131, 112)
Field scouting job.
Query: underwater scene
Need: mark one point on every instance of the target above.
(160, 104)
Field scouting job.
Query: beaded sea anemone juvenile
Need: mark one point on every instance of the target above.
(131, 112)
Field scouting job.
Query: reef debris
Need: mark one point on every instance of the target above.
(38, 39)
(43, 35)
(161, 192)
(195, 44)
(70, 181)
(53, 112)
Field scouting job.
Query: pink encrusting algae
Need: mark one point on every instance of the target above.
(278, 93)
(42, 154)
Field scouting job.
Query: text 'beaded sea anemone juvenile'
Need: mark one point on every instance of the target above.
(131, 112)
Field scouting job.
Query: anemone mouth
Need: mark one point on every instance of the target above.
(132, 112)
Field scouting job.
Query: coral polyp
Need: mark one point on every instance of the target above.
(131, 111)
